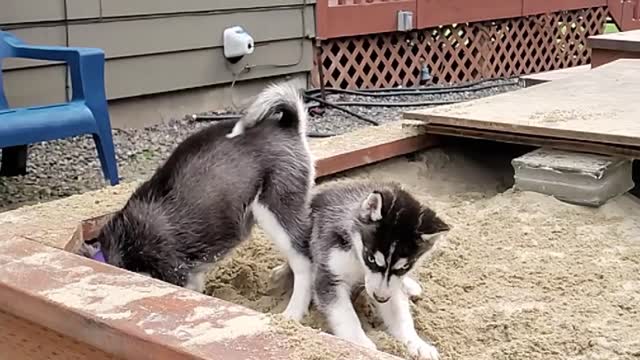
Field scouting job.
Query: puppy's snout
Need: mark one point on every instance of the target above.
(380, 299)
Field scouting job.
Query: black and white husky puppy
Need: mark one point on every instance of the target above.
(373, 233)
(203, 201)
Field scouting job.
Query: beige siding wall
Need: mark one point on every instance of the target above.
(155, 46)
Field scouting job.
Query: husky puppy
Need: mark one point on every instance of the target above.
(203, 201)
(373, 233)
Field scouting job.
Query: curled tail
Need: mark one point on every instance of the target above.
(277, 98)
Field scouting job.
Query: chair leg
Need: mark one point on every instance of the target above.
(107, 156)
(14, 161)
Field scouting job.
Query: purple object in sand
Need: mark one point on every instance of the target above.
(99, 256)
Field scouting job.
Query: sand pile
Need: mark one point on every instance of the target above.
(521, 276)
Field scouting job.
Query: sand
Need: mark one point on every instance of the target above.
(521, 275)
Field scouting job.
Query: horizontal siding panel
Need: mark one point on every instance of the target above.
(140, 7)
(21, 11)
(128, 77)
(159, 35)
(41, 35)
(184, 70)
(30, 11)
(37, 86)
(84, 9)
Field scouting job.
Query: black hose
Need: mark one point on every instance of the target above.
(215, 117)
(221, 117)
(417, 92)
(434, 88)
(339, 107)
(315, 134)
(398, 104)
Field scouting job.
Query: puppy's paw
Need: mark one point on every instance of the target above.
(364, 341)
(422, 350)
(293, 314)
(411, 287)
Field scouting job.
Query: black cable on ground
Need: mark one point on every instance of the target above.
(314, 134)
(398, 104)
(221, 117)
(412, 92)
(418, 91)
(430, 87)
(339, 107)
(215, 117)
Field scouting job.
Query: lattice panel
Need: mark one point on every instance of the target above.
(461, 53)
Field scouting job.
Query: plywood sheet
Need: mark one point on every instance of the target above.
(24, 340)
(600, 106)
(620, 41)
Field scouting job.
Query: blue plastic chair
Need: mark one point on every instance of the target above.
(86, 113)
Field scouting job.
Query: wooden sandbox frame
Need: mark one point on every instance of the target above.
(90, 307)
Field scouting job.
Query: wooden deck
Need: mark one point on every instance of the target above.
(595, 112)
(554, 75)
(610, 47)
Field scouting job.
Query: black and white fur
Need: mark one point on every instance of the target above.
(202, 202)
(374, 234)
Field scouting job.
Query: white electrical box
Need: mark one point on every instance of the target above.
(405, 20)
(237, 43)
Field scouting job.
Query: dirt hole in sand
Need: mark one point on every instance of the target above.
(521, 275)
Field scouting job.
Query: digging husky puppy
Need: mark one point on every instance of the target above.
(373, 234)
(202, 202)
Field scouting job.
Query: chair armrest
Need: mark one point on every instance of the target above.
(86, 66)
(54, 53)
(45, 52)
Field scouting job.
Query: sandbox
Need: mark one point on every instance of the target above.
(521, 275)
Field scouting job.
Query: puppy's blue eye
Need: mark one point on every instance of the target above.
(371, 259)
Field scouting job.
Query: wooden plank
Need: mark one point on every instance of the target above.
(620, 41)
(538, 141)
(630, 15)
(600, 57)
(372, 153)
(554, 75)
(533, 7)
(577, 108)
(22, 339)
(443, 12)
(338, 21)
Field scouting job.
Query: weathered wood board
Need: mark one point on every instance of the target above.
(600, 106)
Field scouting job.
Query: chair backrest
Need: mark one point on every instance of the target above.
(5, 52)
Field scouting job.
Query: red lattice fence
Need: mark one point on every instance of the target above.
(460, 53)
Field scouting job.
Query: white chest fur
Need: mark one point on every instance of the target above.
(346, 266)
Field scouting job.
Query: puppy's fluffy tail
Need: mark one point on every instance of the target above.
(277, 98)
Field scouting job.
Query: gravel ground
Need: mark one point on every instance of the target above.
(66, 167)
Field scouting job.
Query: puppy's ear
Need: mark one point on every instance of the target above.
(371, 207)
(431, 228)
